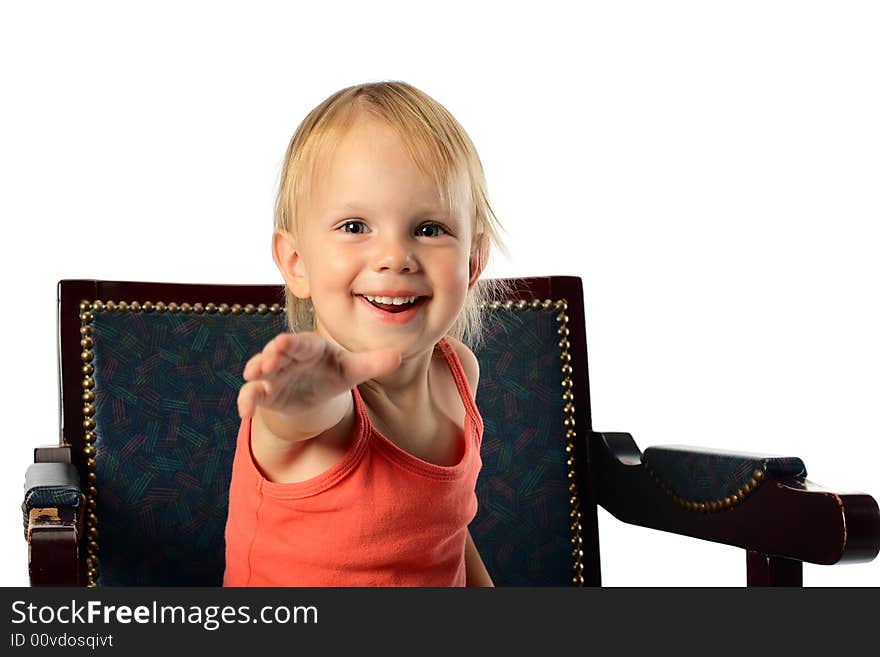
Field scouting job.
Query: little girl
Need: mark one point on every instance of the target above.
(358, 451)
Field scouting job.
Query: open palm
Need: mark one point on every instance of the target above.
(297, 371)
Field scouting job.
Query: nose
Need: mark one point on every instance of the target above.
(395, 253)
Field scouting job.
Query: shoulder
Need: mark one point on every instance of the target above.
(469, 362)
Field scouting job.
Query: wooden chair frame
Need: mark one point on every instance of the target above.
(780, 523)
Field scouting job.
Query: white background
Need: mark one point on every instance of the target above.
(709, 169)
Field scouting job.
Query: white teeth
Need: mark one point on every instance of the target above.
(397, 301)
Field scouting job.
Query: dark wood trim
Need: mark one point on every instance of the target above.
(54, 556)
(570, 288)
(53, 543)
(783, 518)
(765, 570)
(52, 454)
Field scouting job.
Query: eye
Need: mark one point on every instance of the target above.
(430, 226)
(354, 222)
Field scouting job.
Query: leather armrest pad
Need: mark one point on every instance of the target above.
(51, 486)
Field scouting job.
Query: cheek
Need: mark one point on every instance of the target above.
(454, 274)
(337, 270)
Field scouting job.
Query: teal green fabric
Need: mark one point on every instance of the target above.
(166, 387)
(522, 528)
(166, 422)
(703, 475)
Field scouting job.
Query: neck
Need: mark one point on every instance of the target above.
(406, 388)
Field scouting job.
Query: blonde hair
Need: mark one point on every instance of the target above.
(439, 147)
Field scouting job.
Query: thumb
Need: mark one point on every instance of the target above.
(372, 364)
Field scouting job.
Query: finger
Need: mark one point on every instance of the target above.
(301, 349)
(276, 354)
(249, 397)
(252, 368)
(245, 404)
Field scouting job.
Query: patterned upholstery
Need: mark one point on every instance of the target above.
(522, 528)
(704, 475)
(166, 421)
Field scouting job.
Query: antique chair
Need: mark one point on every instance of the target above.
(136, 491)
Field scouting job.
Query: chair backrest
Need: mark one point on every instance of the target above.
(150, 373)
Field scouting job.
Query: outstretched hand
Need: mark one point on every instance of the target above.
(297, 371)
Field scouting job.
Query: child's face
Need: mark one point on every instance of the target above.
(393, 240)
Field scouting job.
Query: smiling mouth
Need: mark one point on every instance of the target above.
(393, 308)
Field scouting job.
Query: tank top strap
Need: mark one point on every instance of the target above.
(461, 382)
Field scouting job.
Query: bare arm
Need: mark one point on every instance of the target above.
(476, 573)
(292, 427)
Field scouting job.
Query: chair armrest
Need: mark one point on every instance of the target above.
(53, 511)
(761, 503)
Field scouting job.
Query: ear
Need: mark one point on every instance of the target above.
(289, 261)
(479, 258)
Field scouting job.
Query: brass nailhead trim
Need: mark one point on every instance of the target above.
(86, 316)
(712, 506)
(561, 306)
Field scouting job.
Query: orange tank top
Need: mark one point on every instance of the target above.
(378, 517)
